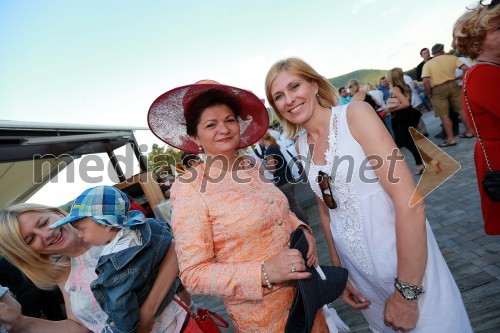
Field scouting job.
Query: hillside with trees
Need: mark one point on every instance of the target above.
(363, 76)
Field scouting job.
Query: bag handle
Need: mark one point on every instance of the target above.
(473, 120)
(181, 303)
(221, 321)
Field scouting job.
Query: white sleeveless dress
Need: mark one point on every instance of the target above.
(363, 229)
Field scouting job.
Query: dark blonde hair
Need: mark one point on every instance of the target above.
(327, 95)
(351, 83)
(41, 269)
(395, 79)
(470, 29)
(271, 138)
(369, 87)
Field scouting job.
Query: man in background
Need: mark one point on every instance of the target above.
(426, 56)
(384, 88)
(344, 96)
(439, 82)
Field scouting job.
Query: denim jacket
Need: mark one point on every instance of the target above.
(125, 278)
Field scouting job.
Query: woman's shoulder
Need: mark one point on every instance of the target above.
(191, 176)
(358, 111)
(484, 70)
(183, 185)
(398, 88)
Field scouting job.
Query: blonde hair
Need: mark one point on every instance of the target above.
(471, 28)
(351, 83)
(327, 95)
(395, 79)
(369, 87)
(269, 137)
(39, 268)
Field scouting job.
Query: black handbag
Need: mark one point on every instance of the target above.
(491, 185)
(491, 182)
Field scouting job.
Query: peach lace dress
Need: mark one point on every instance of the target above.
(224, 229)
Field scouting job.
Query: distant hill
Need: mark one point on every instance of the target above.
(363, 76)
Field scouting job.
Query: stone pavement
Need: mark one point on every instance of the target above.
(454, 213)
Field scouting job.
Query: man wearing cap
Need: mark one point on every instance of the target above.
(439, 82)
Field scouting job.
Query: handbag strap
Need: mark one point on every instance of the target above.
(474, 121)
(181, 303)
(221, 323)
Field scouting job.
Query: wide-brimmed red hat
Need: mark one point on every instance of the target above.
(166, 116)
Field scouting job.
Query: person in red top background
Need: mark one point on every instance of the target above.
(135, 206)
(477, 34)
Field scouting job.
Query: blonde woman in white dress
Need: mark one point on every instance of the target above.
(373, 232)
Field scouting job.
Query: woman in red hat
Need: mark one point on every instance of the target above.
(231, 227)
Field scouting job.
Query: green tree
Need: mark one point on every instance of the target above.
(412, 73)
(362, 76)
(162, 161)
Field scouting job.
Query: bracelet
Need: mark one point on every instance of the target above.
(266, 278)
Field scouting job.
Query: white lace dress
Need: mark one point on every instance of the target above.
(364, 232)
(88, 311)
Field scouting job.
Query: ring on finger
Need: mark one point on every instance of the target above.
(293, 268)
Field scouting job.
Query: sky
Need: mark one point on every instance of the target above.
(105, 61)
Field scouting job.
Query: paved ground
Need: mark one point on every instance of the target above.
(454, 213)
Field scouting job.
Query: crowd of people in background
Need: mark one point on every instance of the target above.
(114, 270)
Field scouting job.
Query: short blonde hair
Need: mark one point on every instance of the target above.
(327, 95)
(369, 87)
(470, 29)
(42, 270)
(351, 83)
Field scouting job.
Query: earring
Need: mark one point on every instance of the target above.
(200, 149)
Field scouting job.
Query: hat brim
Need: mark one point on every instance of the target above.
(66, 220)
(166, 117)
(312, 293)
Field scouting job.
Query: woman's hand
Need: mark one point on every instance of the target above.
(352, 297)
(312, 252)
(400, 314)
(10, 312)
(286, 265)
